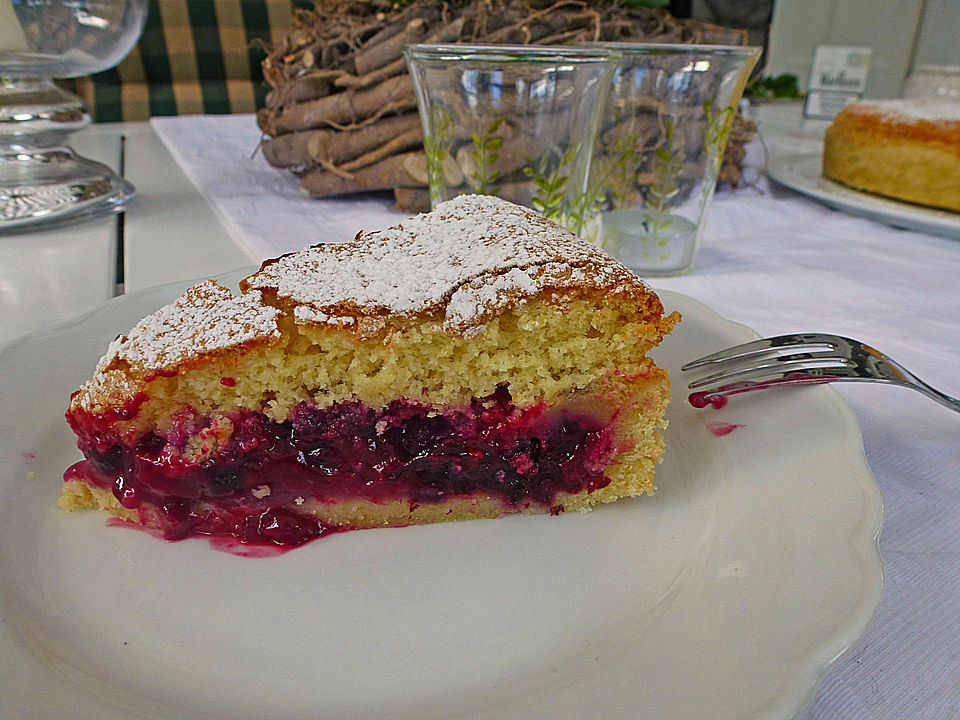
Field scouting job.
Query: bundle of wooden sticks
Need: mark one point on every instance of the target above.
(342, 112)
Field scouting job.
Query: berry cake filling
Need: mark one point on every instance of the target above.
(253, 483)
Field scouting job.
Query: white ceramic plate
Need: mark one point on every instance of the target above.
(725, 595)
(801, 172)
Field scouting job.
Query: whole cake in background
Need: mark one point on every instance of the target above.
(475, 361)
(903, 149)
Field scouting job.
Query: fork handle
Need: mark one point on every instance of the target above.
(908, 379)
(934, 394)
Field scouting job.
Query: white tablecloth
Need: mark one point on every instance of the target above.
(778, 263)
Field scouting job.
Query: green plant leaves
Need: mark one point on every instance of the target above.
(552, 201)
(663, 154)
(668, 161)
(436, 146)
(485, 155)
(717, 129)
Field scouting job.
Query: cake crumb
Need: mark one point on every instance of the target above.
(260, 492)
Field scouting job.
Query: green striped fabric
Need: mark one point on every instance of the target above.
(194, 57)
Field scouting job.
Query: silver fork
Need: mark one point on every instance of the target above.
(805, 358)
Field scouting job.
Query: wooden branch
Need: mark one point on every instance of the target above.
(412, 200)
(291, 149)
(372, 78)
(266, 121)
(705, 33)
(386, 32)
(329, 148)
(522, 27)
(306, 87)
(447, 33)
(452, 174)
(578, 35)
(410, 139)
(639, 131)
(415, 164)
(333, 147)
(348, 107)
(392, 172)
(371, 58)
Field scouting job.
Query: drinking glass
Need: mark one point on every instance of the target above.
(41, 177)
(516, 122)
(659, 149)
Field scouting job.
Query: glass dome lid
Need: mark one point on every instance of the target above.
(41, 178)
(64, 38)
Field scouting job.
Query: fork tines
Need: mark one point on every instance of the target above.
(786, 359)
(793, 345)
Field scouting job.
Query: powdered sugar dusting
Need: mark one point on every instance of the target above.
(113, 352)
(472, 302)
(913, 109)
(104, 386)
(207, 317)
(306, 314)
(427, 263)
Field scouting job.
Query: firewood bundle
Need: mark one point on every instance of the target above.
(342, 112)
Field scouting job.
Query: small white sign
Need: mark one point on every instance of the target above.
(838, 76)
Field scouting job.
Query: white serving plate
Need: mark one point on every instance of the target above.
(725, 595)
(802, 172)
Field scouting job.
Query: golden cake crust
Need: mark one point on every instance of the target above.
(457, 269)
(206, 324)
(904, 149)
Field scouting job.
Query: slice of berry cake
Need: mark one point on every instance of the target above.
(474, 361)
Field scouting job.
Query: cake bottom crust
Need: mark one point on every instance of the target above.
(357, 514)
(925, 174)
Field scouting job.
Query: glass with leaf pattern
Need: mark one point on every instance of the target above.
(659, 150)
(516, 122)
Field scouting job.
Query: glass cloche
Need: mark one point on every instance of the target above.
(41, 177)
